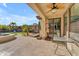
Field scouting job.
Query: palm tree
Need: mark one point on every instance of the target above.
(12, 26)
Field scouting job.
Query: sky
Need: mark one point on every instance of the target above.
(20, 13)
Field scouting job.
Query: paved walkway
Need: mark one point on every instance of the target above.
(29, 46)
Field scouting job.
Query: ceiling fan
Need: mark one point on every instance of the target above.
(54, 7)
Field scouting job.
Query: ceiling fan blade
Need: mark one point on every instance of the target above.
(49, 10)
(49, 6)
(54, 5)
(60, 6)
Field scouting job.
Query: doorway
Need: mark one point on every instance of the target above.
(57, 25)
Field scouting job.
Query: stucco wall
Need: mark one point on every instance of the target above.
(75, 27)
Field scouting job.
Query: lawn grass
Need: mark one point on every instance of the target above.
(19, 33)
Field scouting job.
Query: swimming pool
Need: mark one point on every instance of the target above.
(6, 37)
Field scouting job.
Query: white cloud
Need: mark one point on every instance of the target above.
(7, 17)
(5, 5)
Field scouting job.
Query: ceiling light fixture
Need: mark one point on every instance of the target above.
(54, 10)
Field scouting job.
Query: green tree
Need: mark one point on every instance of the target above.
(12, 26)
(25, 28)
(1, 26)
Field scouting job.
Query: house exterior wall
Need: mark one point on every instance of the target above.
(75, 27)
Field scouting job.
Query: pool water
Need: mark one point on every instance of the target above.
(3, 34)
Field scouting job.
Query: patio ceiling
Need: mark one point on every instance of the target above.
(44, 9)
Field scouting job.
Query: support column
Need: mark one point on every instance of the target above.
(43, 26)
(68, 22)
(62, 26)
(43, 32)
(47, 26)
(69, 45)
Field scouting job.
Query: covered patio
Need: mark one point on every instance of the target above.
(49, 14)
(45, 13)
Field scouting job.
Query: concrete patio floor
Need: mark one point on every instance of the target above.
(29, 46)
